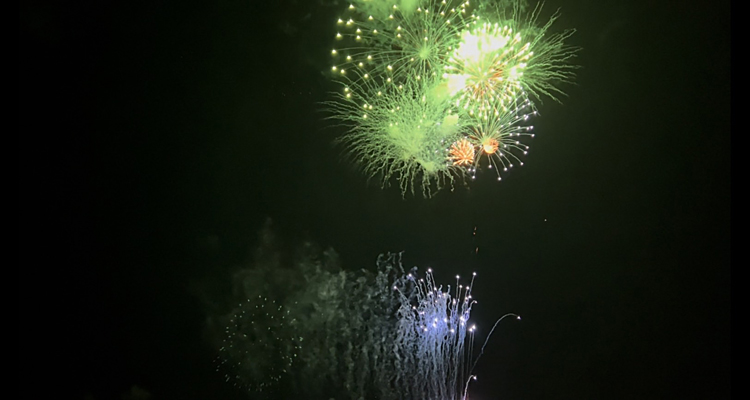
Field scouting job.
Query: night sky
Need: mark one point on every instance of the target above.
(156, 137)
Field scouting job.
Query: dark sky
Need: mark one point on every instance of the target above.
(157, 137)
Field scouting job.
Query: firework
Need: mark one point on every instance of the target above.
(486, 68)
(517, 48)
(393, 42)
(402, 131)
(421, 76)
(435, 336)
(388, 334)
(259, 345)
(498, 135)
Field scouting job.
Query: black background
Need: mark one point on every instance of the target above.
(157, 137)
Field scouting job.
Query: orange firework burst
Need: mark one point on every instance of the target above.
(490, 145)
(462, 153)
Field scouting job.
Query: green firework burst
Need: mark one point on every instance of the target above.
(420, 76)
(402, 131)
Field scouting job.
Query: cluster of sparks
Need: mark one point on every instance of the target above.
(470, 62)
(437, 323)
(258, 347)
(397, 336)
(487, 67)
